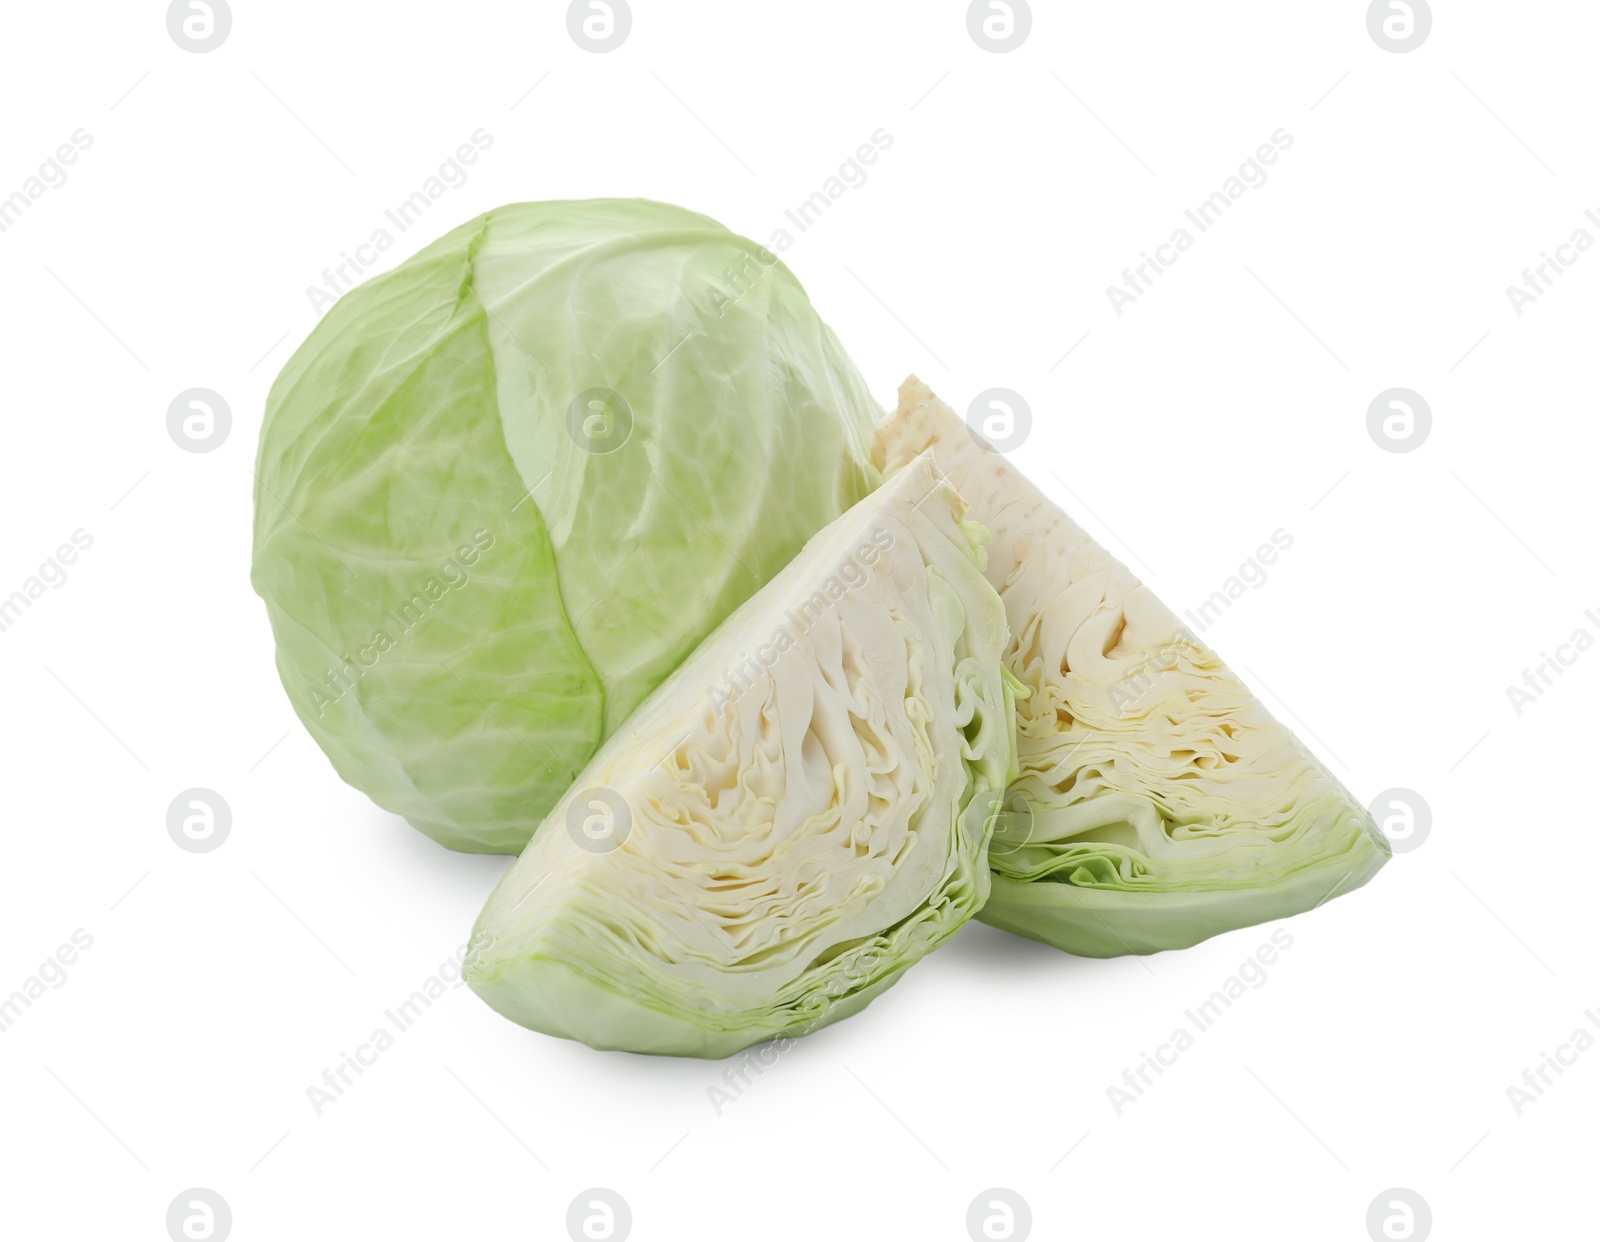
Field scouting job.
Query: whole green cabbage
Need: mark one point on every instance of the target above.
(506, 488)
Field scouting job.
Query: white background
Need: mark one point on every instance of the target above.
(1223, 405)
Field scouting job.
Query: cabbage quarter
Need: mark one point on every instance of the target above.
(1159, 802)
(794, 817)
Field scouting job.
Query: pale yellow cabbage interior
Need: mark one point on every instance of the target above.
(1159, 802)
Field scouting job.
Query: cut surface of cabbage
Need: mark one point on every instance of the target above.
(1158, 802)
(795, 816)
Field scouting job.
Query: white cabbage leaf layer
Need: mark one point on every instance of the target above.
(1158, 803)
(799, 813)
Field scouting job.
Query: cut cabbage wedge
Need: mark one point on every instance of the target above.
(1158, 803)
(795, 816)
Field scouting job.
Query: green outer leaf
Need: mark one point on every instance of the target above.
(487, 702)
(1094, 922)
